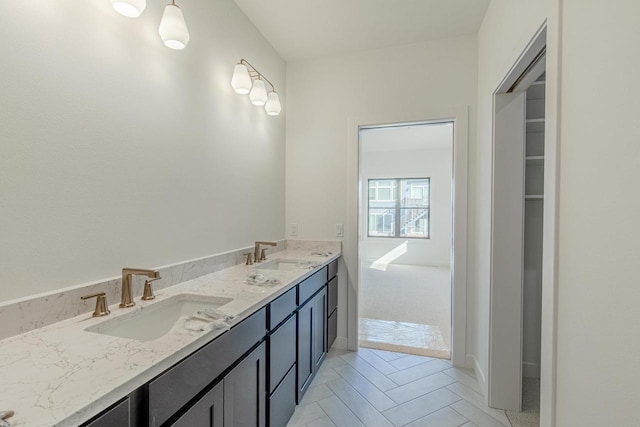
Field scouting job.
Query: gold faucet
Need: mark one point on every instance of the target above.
(127, 299)
(257, 255)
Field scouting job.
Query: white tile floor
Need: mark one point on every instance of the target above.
(380, 388)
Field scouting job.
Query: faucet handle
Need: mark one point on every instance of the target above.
(249, 260)
(263, 254)
(147, 294)
(101, 304)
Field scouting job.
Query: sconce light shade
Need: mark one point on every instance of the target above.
(241, 82)
(273, 107)
(173, 30)
(258, 94)
(129, 8)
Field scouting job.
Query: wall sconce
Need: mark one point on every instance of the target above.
(173, 28)
(246, 79)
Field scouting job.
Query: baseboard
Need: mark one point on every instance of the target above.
(340, 343)
(530, 370)
(472, 363)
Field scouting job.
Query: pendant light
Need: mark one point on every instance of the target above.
(258, 94)
(173, 30)
(241, 80)
(273, 107)
(129, 8)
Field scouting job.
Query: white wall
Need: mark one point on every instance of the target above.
(117, 151)
(597, 249)
(435, 164)
(506, 30)
(322, 95)
(598, 287)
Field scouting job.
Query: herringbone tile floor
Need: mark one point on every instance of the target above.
(376, 388)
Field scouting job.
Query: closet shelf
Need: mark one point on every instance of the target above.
(534, 158)
(535, 125)
(534, 197)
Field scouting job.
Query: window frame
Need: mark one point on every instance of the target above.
(397, 209)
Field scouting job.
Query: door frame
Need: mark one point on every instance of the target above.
(547, 35)
(353, 229)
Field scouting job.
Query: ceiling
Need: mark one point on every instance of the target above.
(302, 29)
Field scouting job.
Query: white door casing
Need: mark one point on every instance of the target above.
(353, 228)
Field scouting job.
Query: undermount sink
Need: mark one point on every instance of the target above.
(279, 264)
(156, 320)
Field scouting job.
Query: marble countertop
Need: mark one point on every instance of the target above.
(62, 375)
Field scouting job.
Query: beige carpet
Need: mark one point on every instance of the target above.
(530, 415)
(407, 309)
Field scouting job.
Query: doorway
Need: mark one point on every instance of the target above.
(518, 255)
(355, 227)
(405, 245)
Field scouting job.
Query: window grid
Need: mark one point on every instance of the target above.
(399, 208)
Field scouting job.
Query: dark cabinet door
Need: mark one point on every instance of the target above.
(305, 347)
(319, 328)
(117, 415)
(245, 392)
(312, 339)
(207, 412)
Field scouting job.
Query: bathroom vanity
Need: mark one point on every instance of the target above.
(252, 374)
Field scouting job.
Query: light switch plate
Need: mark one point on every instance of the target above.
(294, 229)
(339, 230)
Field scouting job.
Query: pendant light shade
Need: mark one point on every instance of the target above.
(173, 30)
(273, 107)
(241, 81)
(129, 8)
(246, 79)
(258, 94)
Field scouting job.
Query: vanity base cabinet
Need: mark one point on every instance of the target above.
(244, 392)
(250, 376)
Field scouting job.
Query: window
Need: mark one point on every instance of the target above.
(399, 207)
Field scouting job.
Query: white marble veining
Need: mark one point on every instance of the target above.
(62, 375)
(26, 314)
(315, 247)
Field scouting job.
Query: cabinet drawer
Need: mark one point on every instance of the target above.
(332, 329)
(282, 307)
(117, 415)
(174, 388)
(282, 402)
(333, 269)
(282, 352)
(332, 293)
(311, 285)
